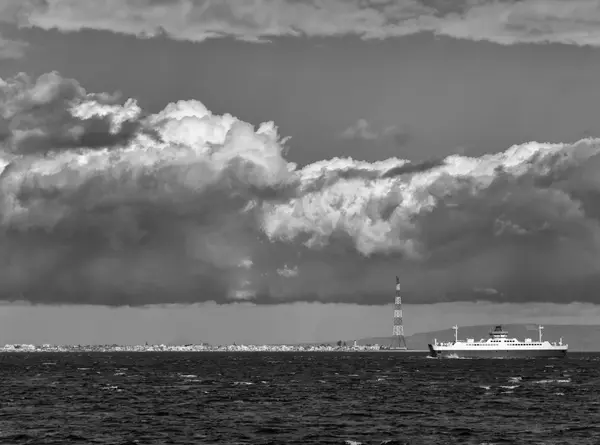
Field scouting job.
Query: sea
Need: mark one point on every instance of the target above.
(296, 398)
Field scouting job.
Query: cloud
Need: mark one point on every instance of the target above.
(486, 291)
(574, 22)
(115, 206)
(363, 130)
(360, 130)
(54, 113)
(11, 49)
(288, 271)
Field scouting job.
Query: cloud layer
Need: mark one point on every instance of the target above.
(507, 22)
(102, 203)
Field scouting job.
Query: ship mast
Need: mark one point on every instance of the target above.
(540, 327)
(455, 327)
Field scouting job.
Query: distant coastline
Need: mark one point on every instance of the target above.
(581, 338)
(24, 348)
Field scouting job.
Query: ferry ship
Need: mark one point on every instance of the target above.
(498, 345)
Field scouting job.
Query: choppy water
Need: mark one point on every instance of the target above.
(296, 398)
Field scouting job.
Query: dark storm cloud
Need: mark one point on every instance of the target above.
(185, 206)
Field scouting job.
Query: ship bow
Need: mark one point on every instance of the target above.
(432, 351)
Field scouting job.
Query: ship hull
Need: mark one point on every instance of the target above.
(495, 353)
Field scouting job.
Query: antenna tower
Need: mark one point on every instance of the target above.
(398, 341)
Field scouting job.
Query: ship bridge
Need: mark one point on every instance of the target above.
(498, 333)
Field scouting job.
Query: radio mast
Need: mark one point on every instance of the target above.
(398, 341)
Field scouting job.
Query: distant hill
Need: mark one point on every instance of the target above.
(579, 337)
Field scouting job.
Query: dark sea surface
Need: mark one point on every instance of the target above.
(296, 398)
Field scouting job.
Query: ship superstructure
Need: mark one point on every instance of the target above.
(498, 345)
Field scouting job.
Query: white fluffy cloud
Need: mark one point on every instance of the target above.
(501, 21)
(102, 203)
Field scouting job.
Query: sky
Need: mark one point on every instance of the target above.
(177, 171)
